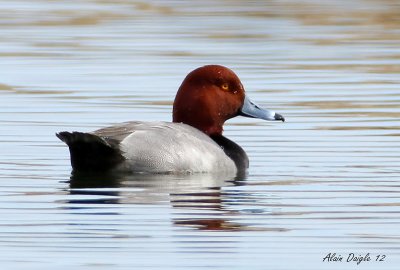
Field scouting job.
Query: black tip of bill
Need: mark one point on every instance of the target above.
(279, 117)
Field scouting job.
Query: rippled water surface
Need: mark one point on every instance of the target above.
(326, 181)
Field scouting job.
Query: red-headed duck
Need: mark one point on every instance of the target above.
(193, 142)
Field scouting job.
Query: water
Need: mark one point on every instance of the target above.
(326, 181)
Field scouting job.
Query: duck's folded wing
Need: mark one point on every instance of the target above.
(119, 132)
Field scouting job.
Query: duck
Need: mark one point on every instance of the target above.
(191, 143)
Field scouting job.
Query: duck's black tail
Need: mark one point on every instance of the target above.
(90, 152)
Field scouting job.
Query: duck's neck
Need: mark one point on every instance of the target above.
(210, 129)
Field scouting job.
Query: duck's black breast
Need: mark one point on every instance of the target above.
(233, 151)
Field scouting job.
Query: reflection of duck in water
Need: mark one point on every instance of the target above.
(200, 201)
(148, 188)
(184, 192)
(166, 182)
(208, 97)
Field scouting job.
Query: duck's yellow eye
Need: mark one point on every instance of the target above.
(225, 86)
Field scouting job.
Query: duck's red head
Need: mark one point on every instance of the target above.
(212, 94)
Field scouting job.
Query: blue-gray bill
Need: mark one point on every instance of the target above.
(251, 109)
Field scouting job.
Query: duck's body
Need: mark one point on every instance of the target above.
(153, 147)
(193, 142)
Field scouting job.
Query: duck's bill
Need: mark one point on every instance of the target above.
(251, 109)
